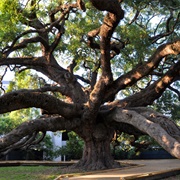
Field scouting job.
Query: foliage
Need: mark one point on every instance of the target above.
(124, 154)
(121, 148)
(11, 120)
(25, 79)
(9, 21)
(168, 104)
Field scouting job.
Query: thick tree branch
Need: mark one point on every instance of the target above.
(111, 20)
(106, 5)
(148, 95)
(53, 71)
(153, 91)
(143, 70)
(168, 124)
(110, 23)
(81, 5)
(155, 130)
(37, 63)
(32, 98)
(43, 124)
(23, 142)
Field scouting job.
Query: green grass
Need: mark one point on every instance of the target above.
(29, 172)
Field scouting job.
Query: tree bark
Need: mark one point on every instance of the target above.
(97, 153)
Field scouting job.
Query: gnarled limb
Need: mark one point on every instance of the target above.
(24, 61)
(154, 91)
(53, 71)
(148, 95)
(33, 98)
(107, 5)
(154, 129)
(22, 134)
(169, 125)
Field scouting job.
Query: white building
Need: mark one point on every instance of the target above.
(58, 140)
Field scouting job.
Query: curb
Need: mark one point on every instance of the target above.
(98, 171)
(159, 175)
(153, 175)
(35, 163)
(145, 176)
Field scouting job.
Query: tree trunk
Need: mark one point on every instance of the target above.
(97, 153)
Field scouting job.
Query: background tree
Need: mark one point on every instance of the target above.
(11, 120)
(107, 61)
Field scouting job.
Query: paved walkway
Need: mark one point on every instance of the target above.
(144, 169)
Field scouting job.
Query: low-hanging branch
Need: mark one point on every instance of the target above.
(154, 129)
(42, 124)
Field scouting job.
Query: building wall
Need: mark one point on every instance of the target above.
(57, 142)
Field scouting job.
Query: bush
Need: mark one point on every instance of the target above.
(124, 154)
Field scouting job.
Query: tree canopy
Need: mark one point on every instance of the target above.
(104, 62)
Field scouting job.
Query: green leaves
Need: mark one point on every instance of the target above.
(24, 80)
(11, 120)
(9, 24)
(169, 105)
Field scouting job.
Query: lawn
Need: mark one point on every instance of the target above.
(29, 172)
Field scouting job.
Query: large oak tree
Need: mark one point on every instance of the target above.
(126, 54)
